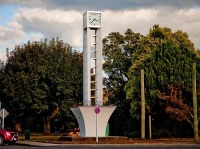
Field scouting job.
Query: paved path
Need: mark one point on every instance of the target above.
(30, 143)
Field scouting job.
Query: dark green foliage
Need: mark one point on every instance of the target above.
(42, 79)
(167, 64)
(118, 50)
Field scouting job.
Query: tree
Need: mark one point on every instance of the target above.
(156, 36)
(118, 50)
(148, 44)
(41, 79)
(198, 52)
(177, 105)
(166, 64)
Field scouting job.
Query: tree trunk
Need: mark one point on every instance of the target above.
(18, 127)
(46, 121)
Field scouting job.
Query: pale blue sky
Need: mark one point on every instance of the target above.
(6, 13)
(23, 20)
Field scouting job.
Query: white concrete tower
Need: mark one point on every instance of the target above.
(86, 115)
(92, 58)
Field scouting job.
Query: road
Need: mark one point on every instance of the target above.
(141, 146)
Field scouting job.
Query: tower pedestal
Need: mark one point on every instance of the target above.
(86, 118)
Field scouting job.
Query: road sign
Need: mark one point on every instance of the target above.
(3, 113)
(97, 110)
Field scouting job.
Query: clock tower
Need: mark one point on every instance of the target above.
(86, 115)
(92, 59)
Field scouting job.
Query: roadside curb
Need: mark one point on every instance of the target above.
(29, 143)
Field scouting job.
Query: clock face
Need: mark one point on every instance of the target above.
(94, 19)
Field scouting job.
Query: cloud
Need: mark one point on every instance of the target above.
(2, 56)
(36, 37)
(57, 16)
(37, 19)
(185, 20)
(15, 25)
(83, 5)
(138, 20)
(67, 25)
(143, 19)
(9, 37)
(11, 33)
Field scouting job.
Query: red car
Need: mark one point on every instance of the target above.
(7, 136)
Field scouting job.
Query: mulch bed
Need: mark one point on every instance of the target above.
(127, 141)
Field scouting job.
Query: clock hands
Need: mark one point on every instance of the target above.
(95, 20)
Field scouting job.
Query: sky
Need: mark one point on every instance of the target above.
(35, 20)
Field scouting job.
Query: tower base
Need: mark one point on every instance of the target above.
(86, 118)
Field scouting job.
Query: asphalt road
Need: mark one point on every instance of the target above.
(141, 146)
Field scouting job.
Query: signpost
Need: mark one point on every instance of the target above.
(97, 111)
(3, 114)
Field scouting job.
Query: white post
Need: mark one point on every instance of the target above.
(96, 127)
(150, 127)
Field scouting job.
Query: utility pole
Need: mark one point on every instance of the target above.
(195, 121)
(142, 106)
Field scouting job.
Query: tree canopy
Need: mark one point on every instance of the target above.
(118, 50)
(162, 53)
(167, 64)
(42, 78)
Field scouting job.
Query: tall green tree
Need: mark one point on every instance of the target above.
(167, 64)
(42, 78)
(156, 36)
(118, 50)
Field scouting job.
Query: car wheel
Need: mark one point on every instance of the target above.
(2, 140)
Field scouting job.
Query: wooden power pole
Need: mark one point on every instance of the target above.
(142, 106)
(195, 121)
